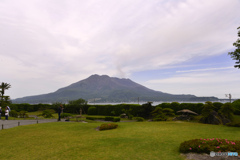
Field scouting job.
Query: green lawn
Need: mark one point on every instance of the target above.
(132, 140)
(236, 118)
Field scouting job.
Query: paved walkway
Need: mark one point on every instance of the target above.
(5, 124)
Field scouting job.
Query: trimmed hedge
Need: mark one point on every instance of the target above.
(139, 119)
(46, 114)
(134, 110)
(106, 110)
(95, 118)
(92, 111)
(23, 114)
(30, 107)
(108, 126)
(195, 107)
(13, 113)
(113, 119)
(236, 105)
(233, 124)
(64, 115)
(116, 119)
(108, 118)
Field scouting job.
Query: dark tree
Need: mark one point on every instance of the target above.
(236, 54)
(76, 105)
(145, 110)
(227, 110)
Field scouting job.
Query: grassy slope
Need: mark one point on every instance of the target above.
(134, 140)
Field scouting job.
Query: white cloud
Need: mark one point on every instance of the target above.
(202, 83)
(61, 42)
(205, 69)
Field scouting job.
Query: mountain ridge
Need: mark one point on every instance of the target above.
(106, 89)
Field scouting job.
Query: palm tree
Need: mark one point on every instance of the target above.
(3, 87)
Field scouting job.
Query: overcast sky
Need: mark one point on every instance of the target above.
(173, 46)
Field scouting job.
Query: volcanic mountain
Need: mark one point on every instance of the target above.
(106, 89)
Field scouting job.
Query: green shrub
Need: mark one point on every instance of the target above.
(108, 126)
(208, 145)
(29, 107)
(168, 112)
(123, 115)
(64, 115)
(113, 113)
(92, 111)
(116, 119)
(139, 119)
(158, 114)
(208, 107)
(145, 110)
(130, 117)
(75, 106)
(236, 105)
(100, 118)
(227, 110)
(23, 114)
(128, 114)
(233, 124)
(13, 113)
(51, 110)
(46, 113)
(91, 118)
(174, 106)
(160, 118)
(95, 118)
(217, 105)
(108, 118)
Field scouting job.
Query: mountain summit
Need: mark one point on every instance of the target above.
(104, 89)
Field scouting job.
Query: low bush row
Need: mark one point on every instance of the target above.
(107, 118)
(208, 145)
(95, 118)
(31, 107)
(131, 110)
(233, 124)
(47, 113)
(65, 115)
(116, 119)
(139, 119)
(108, 126)
(21, 114)
(113, 119)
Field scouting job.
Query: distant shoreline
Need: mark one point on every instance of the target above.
(156, 103)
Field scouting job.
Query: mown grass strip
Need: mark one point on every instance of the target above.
(133, 140)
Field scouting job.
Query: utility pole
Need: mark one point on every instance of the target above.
(229, 96)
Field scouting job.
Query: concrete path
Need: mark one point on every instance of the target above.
(5, 124)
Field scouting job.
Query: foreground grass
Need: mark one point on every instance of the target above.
(236, 118)
(133, 140)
